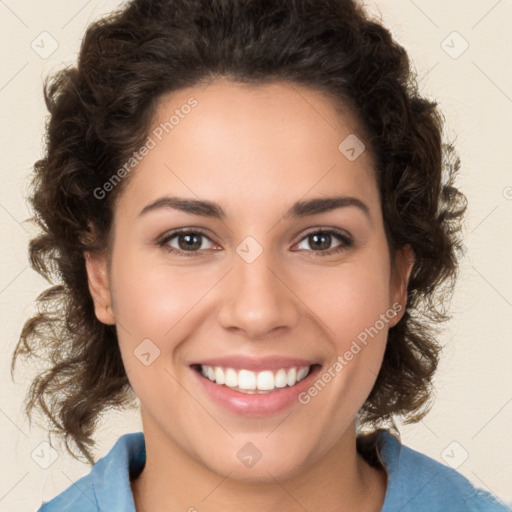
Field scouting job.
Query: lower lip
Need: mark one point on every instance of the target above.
(256, 404)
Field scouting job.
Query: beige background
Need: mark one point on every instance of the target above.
(472, 415)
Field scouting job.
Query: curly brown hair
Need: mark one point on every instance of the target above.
(100, 113)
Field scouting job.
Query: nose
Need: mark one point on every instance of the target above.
(257, 300)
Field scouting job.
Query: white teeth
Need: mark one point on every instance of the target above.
(247, 380)
(265, 380)
(280, 380)
(231, 378)
(219, 375)
(292, 376)
(302, 373)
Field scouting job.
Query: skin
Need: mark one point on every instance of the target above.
(254, 151)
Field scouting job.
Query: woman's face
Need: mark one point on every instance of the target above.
(264, 274)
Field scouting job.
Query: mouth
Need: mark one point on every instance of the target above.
(245, 385)
(266, 381)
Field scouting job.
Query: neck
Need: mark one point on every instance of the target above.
(173, 480)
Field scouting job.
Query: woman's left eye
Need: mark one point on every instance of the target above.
(322, 239)
(191, 242)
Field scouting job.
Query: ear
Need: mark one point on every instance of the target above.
(404, 264)
(99, 286)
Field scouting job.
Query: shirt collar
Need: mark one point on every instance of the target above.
(111, 475)
(388, 449)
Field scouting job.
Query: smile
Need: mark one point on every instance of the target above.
(248, 381)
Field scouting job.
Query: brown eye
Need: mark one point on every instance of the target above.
(185, 241)
(321, 241)
(189, 242)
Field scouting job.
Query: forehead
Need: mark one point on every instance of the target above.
(252, 143)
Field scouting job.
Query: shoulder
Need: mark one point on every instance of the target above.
(78, 497)
(419, 483)
(107, 485)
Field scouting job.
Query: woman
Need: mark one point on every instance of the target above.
(253, 220)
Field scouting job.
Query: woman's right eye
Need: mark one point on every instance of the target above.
(184, 241)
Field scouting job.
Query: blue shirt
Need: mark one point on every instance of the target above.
(416, 483)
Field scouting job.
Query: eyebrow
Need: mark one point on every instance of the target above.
(298, 209)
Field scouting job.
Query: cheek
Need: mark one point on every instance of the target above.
(348, 299)
(151, 307)
(352, 302)
(158, 308)
(356, 310)
(151, 298)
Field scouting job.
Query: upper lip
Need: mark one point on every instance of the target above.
(255, 363)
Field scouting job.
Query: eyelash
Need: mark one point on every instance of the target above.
(346, 242)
